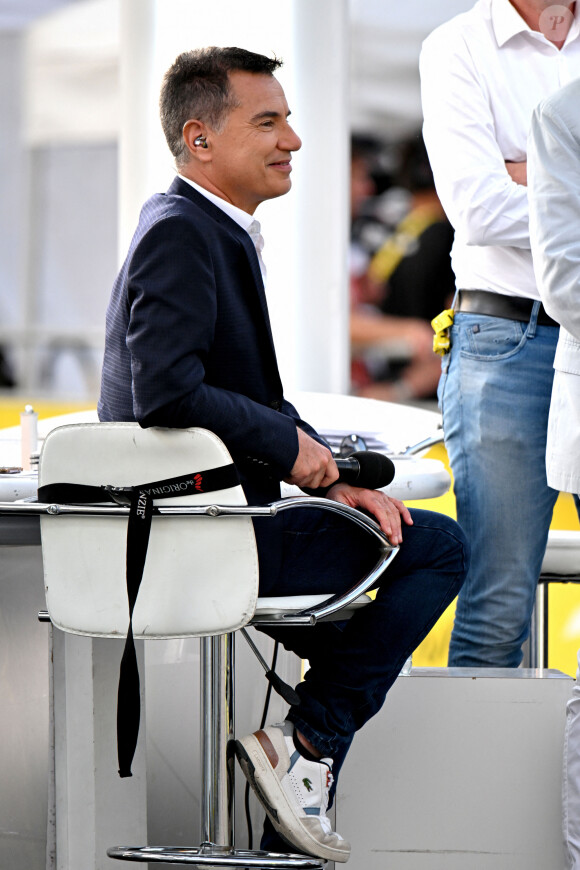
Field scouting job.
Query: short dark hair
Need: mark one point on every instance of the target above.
(197, 86)
(415, 172)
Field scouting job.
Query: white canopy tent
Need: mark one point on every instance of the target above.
(59, 90)
(74, 45)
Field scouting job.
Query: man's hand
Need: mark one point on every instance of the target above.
(518, 172)
(314, 464)
(388, 512)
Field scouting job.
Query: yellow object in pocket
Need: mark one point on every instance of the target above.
(441, 325)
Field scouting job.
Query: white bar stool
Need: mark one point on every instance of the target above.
(200, 579)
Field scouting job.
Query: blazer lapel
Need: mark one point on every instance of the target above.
(182, 188)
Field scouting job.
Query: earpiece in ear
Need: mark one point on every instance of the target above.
(200, 141)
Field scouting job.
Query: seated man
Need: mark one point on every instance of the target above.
(189, 344)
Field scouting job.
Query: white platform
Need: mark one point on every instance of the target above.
(393, 426)
(461, 770)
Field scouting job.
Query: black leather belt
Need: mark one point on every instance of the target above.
(499, 305)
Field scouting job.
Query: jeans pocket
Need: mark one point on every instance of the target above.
(492, 338)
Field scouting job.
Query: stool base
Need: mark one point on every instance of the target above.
(210, 855)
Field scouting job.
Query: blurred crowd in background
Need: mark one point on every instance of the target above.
(400, 270)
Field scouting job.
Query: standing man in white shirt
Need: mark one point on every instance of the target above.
(554, 149)
(482, 75)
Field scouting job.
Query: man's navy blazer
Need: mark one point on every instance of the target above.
(188, 338)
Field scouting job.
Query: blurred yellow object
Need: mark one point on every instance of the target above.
(564, 598)
(12, 406)
(441, 325)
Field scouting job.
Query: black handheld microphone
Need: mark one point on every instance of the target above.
(366, 469)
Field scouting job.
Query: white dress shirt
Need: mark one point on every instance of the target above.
(482, 74)
(554, 189)
(242, 218)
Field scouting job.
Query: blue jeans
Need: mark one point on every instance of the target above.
(495, 395)
(353, 664)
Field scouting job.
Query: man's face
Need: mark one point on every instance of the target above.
(250, 157)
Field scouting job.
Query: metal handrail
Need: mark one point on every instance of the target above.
(436, 437)
(342, 599)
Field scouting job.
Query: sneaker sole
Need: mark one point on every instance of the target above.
(263, 780)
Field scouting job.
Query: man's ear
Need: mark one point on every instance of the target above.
(196, 138)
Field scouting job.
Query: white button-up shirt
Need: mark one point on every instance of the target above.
(242, 218)
(482, 75)
(554, 179)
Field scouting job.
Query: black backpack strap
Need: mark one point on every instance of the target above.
(140, 501)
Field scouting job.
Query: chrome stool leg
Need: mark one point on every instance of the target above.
(539, 628)
(217, 806)
(217, 731)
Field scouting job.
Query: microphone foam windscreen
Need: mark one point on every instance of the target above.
(376, 470)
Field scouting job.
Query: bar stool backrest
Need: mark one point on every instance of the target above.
(201, 573)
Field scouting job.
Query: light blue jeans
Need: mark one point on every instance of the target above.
(495, 395)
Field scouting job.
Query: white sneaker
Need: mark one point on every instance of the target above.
(292, 790)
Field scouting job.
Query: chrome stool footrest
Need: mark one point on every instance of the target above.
(210, 855)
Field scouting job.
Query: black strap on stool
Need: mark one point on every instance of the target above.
(140, 501)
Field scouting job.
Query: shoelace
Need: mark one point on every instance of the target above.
(328, 780)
